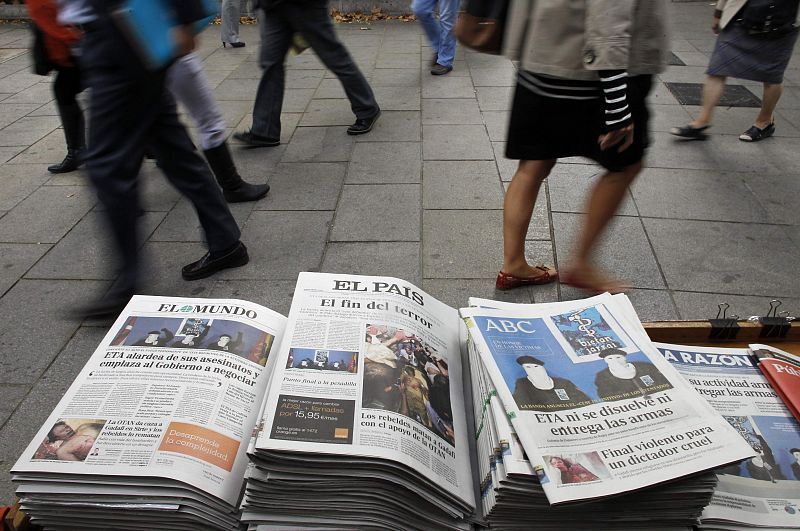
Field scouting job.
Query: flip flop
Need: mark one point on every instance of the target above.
(507, 281)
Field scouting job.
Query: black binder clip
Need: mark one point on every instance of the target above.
(724, 327)
(774, 324)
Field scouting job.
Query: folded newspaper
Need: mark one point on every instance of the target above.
(364, 409)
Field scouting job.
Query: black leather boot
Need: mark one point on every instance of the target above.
(74, 131)
(234, 188)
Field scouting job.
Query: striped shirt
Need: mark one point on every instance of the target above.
(612, 87)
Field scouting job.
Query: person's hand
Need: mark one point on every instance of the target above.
(715, 25)
(184, 39)
(623, 137)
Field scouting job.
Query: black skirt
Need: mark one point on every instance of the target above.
(545, 128)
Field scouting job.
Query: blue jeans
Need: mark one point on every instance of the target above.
(440, 33)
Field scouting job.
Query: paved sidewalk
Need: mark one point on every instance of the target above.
(419, 198)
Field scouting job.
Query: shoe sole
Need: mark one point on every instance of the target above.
(244, 260)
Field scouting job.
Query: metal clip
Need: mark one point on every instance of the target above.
(724, 327)
(774, 324)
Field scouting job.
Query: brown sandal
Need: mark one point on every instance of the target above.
(507, 281)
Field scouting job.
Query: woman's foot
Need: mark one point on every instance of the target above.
(527, 276)
(691, 131)
(592, 280)
(239, 44)
(756, 133)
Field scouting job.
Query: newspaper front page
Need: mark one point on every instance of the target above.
(370, 367)
(173, 391)
(597, 409)
(764, 490)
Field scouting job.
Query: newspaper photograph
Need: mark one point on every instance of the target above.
(370, 367)
(595, 406)
(765, 489)
(173, 391)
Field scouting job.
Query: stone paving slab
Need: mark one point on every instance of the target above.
(706, 222)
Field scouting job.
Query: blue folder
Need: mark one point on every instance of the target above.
(148, 25)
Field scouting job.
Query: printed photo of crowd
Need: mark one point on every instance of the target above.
(69, 440)
(209, 334)
(322, 360)
(405, 375)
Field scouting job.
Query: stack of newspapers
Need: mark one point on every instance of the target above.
(153, 433)
(572, 403)
(366, 409)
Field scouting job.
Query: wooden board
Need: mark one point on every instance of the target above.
(698, 333)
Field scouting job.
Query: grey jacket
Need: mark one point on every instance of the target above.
(575, 38)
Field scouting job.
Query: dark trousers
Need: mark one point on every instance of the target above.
(130, 110)
(311, 19)
(66, 86)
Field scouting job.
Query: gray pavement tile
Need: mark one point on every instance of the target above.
(495, 98)
(48, 109)
(448, 245)
(725, 257)
(378, 212)
(392, 98)
(296, 100)
(87, 252)
(623, 250)
(232, 111)
(183, 225)
(305, 61)
(385, 162)
(274, 294)
(787, 116)
(778, 194)
(161, 269)
(9, 152)
(156, 194)
(328, 112)
(665, 117)
(695, 194)
(497, 124)
(247, 70)
(456, 142)
(18, 81)
(445, 111)
(404, 46)
(16, 259)
(12, 396)
(571, 185)
(289, 123)
(667, 151)
(461, 185)
(789, 100)
(319, 144)
(395, 126)
(398, 60)
(488, 61)
(692, 58)
(39, 329)
(303, 186)
(11, 112)
(660, 95)
(4, 96)
(507, 167)
(49, 150)
(702, 306)
(47, 214)
(456, 292)
(18, 182)
(395, 259)
(684, 74)
(447, 87)
(40, 93)
(272, 240)
(28, 130)
(396, 77)
(498, 76)
(306, 79)
(33, 411)
(329, 89)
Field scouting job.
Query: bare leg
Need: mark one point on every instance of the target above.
(712, 92)
(772, 93)
(517, 211)
(603, 203)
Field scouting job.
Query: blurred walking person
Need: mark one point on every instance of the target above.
(131, 110)
(585, 72)
(189, 85)
(755, 41)
(52, 50)
(311, 18)
(439, 32)
(230, 15)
